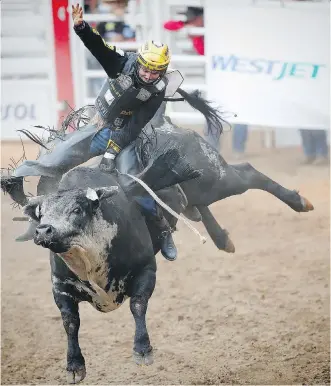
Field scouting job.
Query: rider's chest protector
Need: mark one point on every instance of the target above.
(119, 99)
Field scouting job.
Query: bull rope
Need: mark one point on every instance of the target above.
(167, 208)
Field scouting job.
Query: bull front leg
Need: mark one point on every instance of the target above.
(142, 289)
(68, 307)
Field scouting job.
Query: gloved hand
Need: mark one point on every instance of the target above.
(107, 163)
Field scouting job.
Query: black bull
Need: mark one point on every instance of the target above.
(101, 252)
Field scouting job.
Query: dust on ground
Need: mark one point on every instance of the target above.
(260, 316)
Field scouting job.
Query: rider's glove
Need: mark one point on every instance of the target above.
(107, 163)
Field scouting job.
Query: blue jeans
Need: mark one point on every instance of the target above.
(121, 137)
(239, 138)
(314, 143)
(100, 142)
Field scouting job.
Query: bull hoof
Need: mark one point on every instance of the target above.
(229, 246)
(307, 206)
(143, 359)
(75, 373)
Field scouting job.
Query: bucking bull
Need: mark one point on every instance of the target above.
(102, 247)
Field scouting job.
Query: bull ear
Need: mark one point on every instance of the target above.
(101, 193)
(32, 209)
(106, 192)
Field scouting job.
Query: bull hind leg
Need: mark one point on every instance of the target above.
(142, 288)
(68, 307)
(251, 178)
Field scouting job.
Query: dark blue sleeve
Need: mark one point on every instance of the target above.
(111, 58)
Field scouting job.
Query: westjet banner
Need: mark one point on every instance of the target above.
(270, 64)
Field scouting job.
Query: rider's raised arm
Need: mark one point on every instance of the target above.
(111, 59)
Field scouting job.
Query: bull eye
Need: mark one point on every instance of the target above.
(77, 210)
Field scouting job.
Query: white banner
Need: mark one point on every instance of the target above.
(270, 64)
(25, 103)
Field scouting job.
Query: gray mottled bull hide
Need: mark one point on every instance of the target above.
(101, 252)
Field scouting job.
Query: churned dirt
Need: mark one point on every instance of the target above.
(259, 316)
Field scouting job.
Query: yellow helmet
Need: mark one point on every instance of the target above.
(154, 55)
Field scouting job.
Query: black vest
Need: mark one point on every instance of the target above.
(119, 98)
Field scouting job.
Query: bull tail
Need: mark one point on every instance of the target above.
(213, 117)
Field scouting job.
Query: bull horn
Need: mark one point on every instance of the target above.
(29, 233)
(35, 199)
(33, 203)
(102, 192)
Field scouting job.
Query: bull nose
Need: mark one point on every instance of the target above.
(43, 235)
(48, 237)
(44, 230)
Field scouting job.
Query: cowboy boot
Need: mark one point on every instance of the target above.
(168, 247)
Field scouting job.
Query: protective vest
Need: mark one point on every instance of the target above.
(119, 98)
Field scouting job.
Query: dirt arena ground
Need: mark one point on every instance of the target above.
(260, 316)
